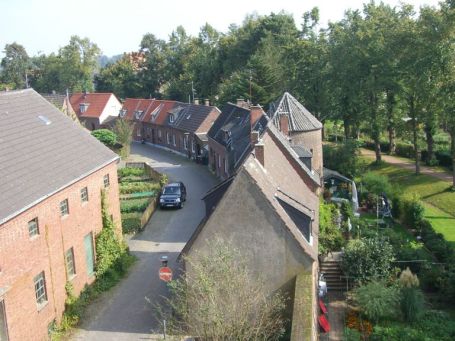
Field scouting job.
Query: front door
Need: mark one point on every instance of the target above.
(89, 257)
(3, 329)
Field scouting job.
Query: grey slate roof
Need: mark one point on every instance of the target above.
(191, 116)
(39, 159)
(56, 99)
(300, 119)
(301, 151)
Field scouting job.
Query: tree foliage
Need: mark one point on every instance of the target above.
(217, 299)
(377, 301)
(105, 136)
(124, 131)
(368, 259)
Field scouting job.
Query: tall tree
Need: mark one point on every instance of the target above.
(152, 73)
(15, 66)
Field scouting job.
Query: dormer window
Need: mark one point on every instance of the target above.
(227, 135)
(138, 114)
(122, 113)
(171, 118)
(83, 107)
(156, 112)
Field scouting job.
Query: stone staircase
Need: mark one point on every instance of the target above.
(330, 267)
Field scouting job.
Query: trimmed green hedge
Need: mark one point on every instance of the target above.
(139, 186)
(134, 205)
(128, 171)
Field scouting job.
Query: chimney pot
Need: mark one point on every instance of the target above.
(196, 101)
(207, 102)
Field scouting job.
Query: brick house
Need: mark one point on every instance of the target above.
(269, 210)
(179, 127)
(229, 137)
(302, 129)
(94, 109)
(50, 211)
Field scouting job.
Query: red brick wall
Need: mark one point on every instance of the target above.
(22, 257)
(215, 150)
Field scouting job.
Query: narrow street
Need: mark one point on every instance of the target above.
(127, 311)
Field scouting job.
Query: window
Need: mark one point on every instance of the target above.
(219, 161)
(84, 194)
(83, 107)
(69, 261)
(106, 181)
(225, 166)
(171, 118)
(185, 142)
(40, 288)
(138, 114)
(89, 256)
(159, 133)
(33, 228)
(193, 147)
(64, 209)
(122, 113)
(138, 131)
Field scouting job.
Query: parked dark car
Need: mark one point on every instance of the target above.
(173, 195)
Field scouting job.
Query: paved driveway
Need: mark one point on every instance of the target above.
(125, 313)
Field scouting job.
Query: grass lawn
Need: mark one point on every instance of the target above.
(436, 194)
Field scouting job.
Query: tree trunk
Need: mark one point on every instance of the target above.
(452, 151)
(390, 122)
(346, 129)
(414, 135)
(377, 149)
(430, 144)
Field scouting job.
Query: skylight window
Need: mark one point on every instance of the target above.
(122, 113)
(45, 120)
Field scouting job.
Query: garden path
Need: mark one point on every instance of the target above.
(409, 165)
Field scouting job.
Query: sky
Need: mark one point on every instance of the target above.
(117, 26)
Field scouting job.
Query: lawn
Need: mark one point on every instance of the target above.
(436, 194)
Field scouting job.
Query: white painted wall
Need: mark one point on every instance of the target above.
(112, 108)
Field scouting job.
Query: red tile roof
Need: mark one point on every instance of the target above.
(149, 106)
(96, 103)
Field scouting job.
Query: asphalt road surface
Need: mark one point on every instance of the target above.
(127, 311)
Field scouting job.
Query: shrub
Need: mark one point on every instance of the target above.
(105, 136)
(330, 237)
(128, 171)
(344, 158)
(134, 205)
(367, 259)
(445, 158)
(412, 301)
(412, 211)
(131, 222)
(377, 184)
(377, 301)
(404, 150)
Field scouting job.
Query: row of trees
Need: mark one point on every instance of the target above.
(382, 70)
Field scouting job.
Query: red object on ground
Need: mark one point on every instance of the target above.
(323, 307)
(325, 325)
(166, 274)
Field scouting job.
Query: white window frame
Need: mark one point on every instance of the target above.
(185, 142)
(33, 227)
(171, 118)
(168, 138)
(225, 166)
(40, 288)
(193, 146)
(159, 133)
(173, 140)
(219, 161)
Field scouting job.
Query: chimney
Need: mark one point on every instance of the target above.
(259, 152)
(284, 124)
(53, 92)
(256, 113)
(241, 103)
(254, 137)
(207, 102)
(196, 101)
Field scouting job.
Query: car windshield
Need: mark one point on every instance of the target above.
(171, 190)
